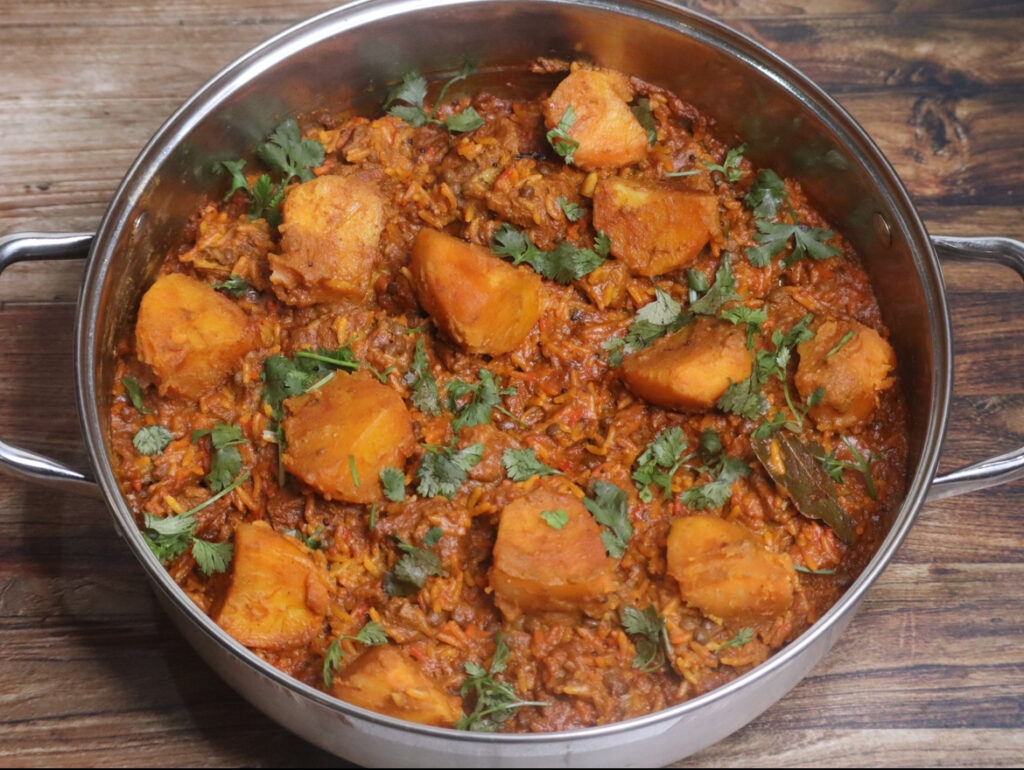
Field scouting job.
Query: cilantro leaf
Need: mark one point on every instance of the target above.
(467, 120)
(642, 112)
(287, 152)
(235, 286)
(752, 317)
(574, 212)
(556, 519)
(730, 167)
(212, 557)
(266, 198)
(134, 391)
(559, 139)
(722, 291)
(373, 634)
(332, 660)
(169, 536)
(522, 464)
(411, 571)
(425, 395)
(743, 636)
(607, 504)
(724, 471)
(238, 180)
(393, 482)
(494, 701)
(657, 318)
(484, 397)
(442, 470)
(225, 462)
(767, 194)
(658, 463)
(413, 91)
(653, 649)
(152, 439)
(564, 264)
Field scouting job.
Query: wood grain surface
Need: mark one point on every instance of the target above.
(930, 672)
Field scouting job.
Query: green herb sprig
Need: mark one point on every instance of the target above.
(372, 634)
(494, 701)
(767, 197)
(412, 92)
(225, 460)
(608, 505)
(564, 264)
(169, 536)
(285, 152)
(411, 571)
(658, 463)
(443, 469)
(522, 464)
(653, 648)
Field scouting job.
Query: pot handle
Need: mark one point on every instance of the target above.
(1009, 466)
(21, 462)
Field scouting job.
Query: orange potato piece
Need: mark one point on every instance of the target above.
(725, 571)
(690, 369)
(608, 132)
(478, 301)
(191, 336)
(654, 228)
(352, 419)
(330, 241)
(277, 595)
(852, 377)
(538, 567)
(386, 680)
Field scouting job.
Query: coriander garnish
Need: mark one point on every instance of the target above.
(653, 648)
(494, 701)
(373, 634)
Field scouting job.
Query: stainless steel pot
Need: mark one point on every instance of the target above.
(347, 56)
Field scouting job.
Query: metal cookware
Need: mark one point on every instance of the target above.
(347, 57)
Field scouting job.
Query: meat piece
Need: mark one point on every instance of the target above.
(538, 567)
(690, 369)
(330, 241)
(852, 373)
(654, 228)
(386, 680)
(277, 594)
(341, 435)
(725, 571)
(191, 336)
(483, 304)
(608, 132)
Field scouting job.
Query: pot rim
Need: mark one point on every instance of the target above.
(119, 218)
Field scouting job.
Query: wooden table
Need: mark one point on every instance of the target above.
(931, 671)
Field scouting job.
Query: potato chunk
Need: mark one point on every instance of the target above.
(690, 369)
(341, 435)
(386, 680)
(277, 595)
(725, 571)
(852, 376)
(330, 240)
(608, 132)
(191, 336)
(483, 304)
(538, 567)
(654, 228)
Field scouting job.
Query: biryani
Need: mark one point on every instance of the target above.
(509, 412)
